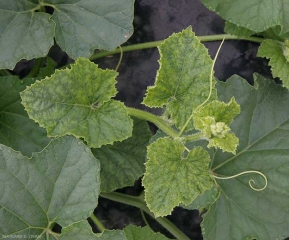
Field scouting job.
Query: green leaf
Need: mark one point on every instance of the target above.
(237, 30)
(137, 233)
(79, 27)
(22, 32)
(16, 129)
(205, 200)
(82, 230)
(214, 119)
(77, 101)
(85, 25)
(255, 15)
(48, 69)
(276, 51)
(275, 33)
(123, 162)
(262, 127)
(60, 184)
(172, 178)
(183, 80)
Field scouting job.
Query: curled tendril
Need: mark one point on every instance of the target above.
(251, 181)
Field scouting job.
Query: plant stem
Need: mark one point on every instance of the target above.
(147, 45)
(139, 203)
(158, 121)
(194, 137)
(35, 70)
(97, 223)
(120, 58)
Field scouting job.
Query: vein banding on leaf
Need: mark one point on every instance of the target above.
(210, 93)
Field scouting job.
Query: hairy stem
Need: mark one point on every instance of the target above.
(139, 203)
(97, 223)
(158, 121)
(194, 137)
(147, 45)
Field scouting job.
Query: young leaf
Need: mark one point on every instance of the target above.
(171, 178)
(77, 101)
(255, 15)
(60, 184)
(16, 129)
(82, 230)
(22, 32)
(214, 119)
(85, 25)
(183, 80)
(276, 52)
(123, 162)
(262, 127)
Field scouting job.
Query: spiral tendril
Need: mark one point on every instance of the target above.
(251, 181)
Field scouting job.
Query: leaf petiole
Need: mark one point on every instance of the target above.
(97, 222)
(158, 121)
(194, 137)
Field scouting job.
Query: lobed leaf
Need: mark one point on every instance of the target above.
(262, 127)
(85, 25)
(171, 178)
(77, 101)
(255, 15)
(183, 79)
(60, 184)
(16, 129)
(214, 119)
(24, 34)
(123, 162)
(79, 27)
(274, 51)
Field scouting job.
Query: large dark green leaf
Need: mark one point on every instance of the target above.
(60, 184)
(85, 25)
(123, 162)
(24, 34)
(263, 129)
(255, 15)
(82, 230)
(16, 129)
(79, 27)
